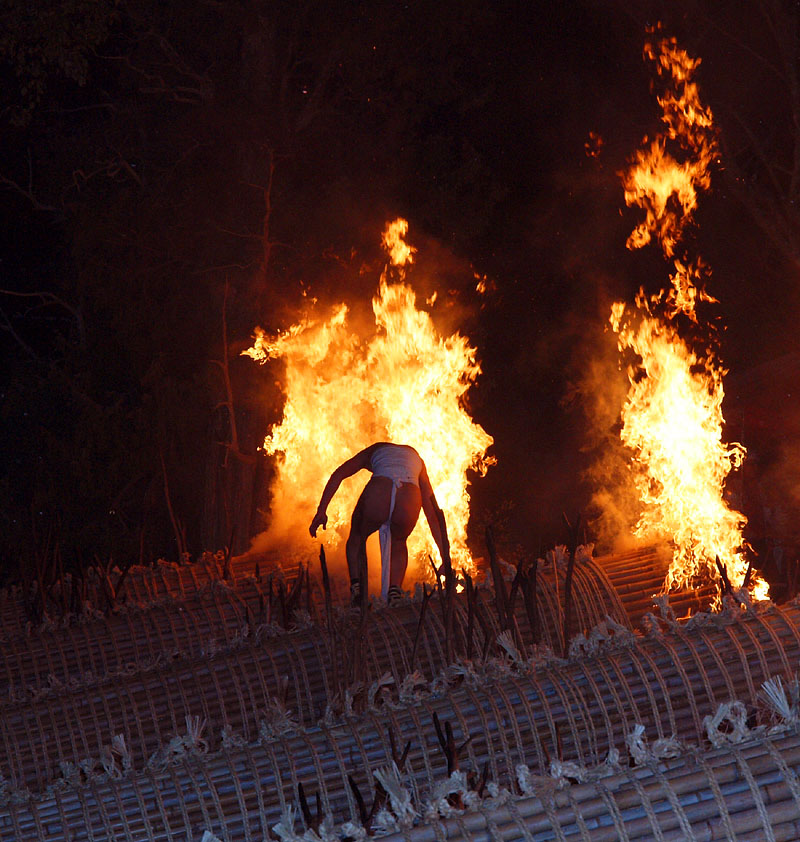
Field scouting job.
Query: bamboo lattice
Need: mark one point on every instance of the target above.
(185, 711)
(236, 684)
(172, 609)
(666, 682)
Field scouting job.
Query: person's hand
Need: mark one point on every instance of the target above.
(320, 519)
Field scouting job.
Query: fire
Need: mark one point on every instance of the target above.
(400, 252)
(672, 418)
(400, 381)
(658, 181)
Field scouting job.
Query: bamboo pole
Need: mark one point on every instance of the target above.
(704, 794)
(576, 711)
(738, 790)
(184, 608)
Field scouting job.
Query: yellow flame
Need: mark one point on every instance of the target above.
(400, 252)
(672, 418)
(399, 381)
(657, 181)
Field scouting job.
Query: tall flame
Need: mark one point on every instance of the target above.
(672, 418)
(401, 381)
(657, 181)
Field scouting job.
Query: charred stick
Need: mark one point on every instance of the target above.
(105, 585)
(439, 733)
(497, 579)
(447, 742)
(326, 587)
(62, 580)
(282, 603)
(425, 599)
(437, 574)
(470, 613)
(488, 637)
(294, 595)
(450, 596)
(748, 574)
(481, 784)
(512, 616)
(451, 751)
(363, 815)
(568, 583)
(123, 576)
(251, 620)
(531, 600)
(226, 565)
(399, 760)
(312, 822)
(725, 585)
(515, 587)
(269, 603)
(378, 800)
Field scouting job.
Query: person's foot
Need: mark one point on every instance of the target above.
(394, 596)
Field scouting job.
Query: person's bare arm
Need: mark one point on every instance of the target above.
(435, 517)
(345, 470)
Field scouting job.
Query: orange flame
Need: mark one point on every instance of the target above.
(401, 381)
(672, 417)
(393, 241)
(665, 187)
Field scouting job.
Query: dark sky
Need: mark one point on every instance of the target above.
(470, 119)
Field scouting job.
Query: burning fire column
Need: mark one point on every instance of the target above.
(346, 388)
(672, 418)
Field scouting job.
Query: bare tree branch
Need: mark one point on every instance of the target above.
(233, 446)
(9, 328)
(51, 298)
(27, 192)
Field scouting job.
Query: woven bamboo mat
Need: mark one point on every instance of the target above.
(752, 788)
(303, 672)
(667, 682)
(190, 609)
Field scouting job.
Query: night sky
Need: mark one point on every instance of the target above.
(154, 153)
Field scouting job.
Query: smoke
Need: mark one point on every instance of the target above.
(597, 390)
(768, 420)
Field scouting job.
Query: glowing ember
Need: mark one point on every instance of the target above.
(672, 418)
(401, 381)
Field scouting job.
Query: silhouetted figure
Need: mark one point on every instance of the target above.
(390, 504)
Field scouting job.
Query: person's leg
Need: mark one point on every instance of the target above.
(372, 509)
(408, 501)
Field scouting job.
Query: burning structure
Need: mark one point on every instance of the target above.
(224, 702)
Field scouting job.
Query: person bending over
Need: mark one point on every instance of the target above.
(390, 503)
